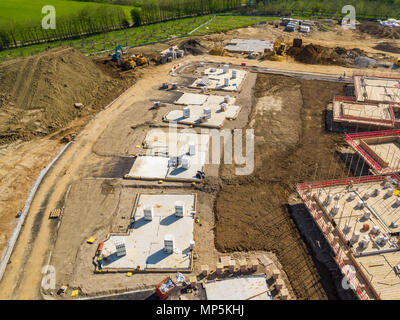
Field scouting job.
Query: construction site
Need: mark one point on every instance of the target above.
(127, 189)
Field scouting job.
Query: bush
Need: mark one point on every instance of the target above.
(136, 17)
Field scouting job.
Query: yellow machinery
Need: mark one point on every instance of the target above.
(397, 62)
(140, 59)
(129, 63)
(277, 52)
(277, 45)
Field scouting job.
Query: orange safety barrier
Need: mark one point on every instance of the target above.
(349, 139)
(345, 99)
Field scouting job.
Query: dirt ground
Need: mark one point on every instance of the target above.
(291, 146)
(38, 93)
(289, 124)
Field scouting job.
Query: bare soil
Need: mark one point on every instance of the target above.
(252, 212)
(376, 30)
(38, 93)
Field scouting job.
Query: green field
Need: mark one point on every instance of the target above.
(26, 10)
(142, 35)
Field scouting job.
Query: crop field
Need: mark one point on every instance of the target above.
(141, 35)
(26, 10)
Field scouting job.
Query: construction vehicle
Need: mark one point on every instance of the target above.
(117, 54)
(279, 47)
(128, 64)
(397, 62)
(140, 59)
(277, 52)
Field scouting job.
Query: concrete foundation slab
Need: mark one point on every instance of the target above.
(355, 113)
(161, 145)
(359, 219)
(248, 45)
(216, 79)
(380, 149)
(145, 242)
(244, 288)
(149, 167)
(369, 88)
(213, 102)
(192, 99)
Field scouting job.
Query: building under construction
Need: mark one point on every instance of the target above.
(380, 149)
(375, 104)
(359, 217)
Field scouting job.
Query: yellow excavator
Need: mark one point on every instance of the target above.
(140, 59)
(128, 64)
(277, 53)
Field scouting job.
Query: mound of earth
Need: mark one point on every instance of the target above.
(316, 54)
(192, 46)
(378, 31)
(387, 47)
(38, 94)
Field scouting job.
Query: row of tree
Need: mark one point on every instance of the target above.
(101, 19)
(364, 8)
(90, 20)
(152, 11)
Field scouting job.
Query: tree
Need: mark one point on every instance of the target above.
(136, 17)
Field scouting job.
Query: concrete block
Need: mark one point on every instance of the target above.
(193, 281)
(279, 284)
(243, 265)
(275, 273)
(225, 260)
(205, 270)
(231, 266)
(254, 264)
(284, 294)
(220, 268)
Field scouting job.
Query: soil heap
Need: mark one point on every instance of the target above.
(192, 46)
(38, 94)
(316, 54)
(376, 30)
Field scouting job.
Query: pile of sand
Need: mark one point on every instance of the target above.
(38, 93)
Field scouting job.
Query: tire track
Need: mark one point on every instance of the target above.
(22, 99)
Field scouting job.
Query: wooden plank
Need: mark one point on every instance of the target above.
(55, 213)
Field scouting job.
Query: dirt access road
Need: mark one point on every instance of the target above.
(23, 276)
(23, 279)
